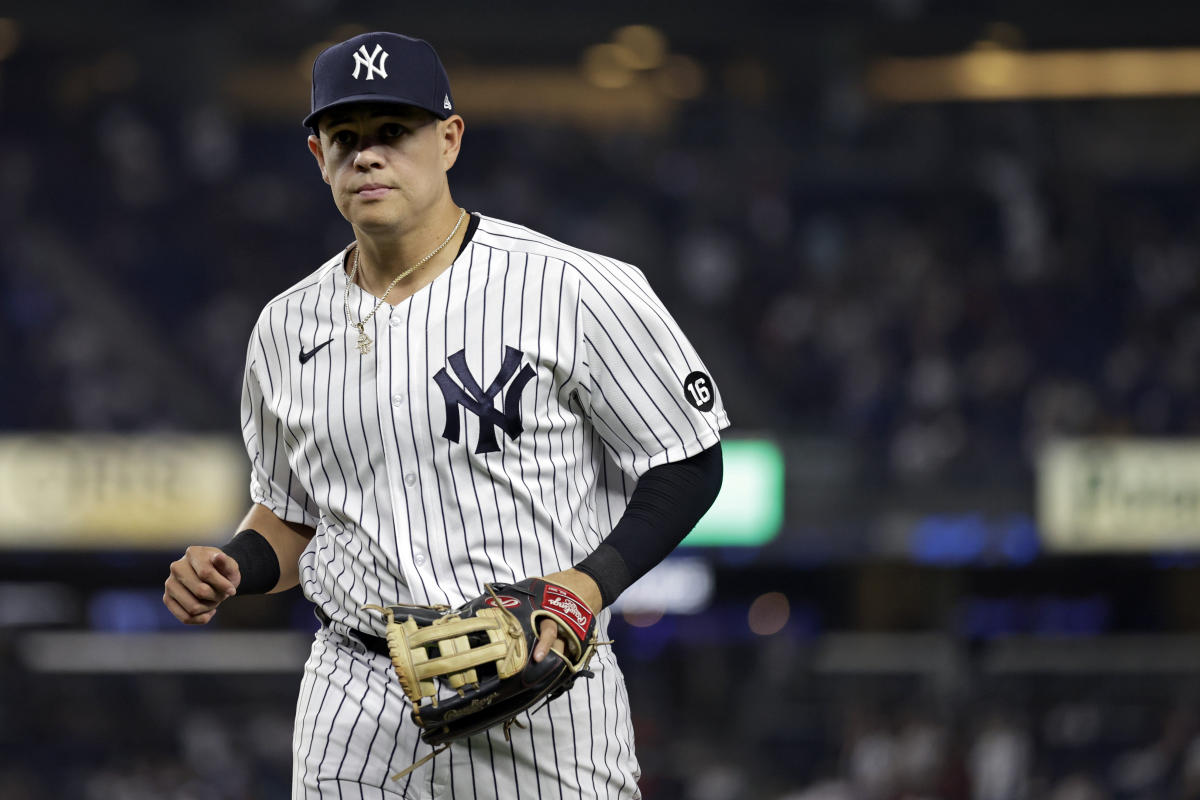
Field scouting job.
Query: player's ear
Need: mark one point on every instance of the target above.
(451, 131)
(314, 146)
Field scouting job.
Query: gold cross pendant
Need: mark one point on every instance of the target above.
(364, 341)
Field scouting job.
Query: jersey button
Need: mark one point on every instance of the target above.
(394, 322)
(410, 479)
(397, 400)
(419, 558)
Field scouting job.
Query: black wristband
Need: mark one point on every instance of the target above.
(610, 572)
(256, 560)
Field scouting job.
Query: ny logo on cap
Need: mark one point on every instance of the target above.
(364, 59)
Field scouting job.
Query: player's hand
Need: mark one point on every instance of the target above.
(585, 589)
(199, 582)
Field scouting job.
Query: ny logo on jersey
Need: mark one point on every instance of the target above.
(483, 403)
(364, 59)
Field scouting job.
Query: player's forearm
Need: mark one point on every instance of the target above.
(665, 505)
(287, 539)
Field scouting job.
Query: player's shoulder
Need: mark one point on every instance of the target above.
(514, 238)
(317, 281)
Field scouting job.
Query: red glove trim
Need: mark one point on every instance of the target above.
(566, 606)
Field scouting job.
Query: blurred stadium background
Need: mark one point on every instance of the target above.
(942, 258)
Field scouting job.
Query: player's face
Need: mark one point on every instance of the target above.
(386, 164)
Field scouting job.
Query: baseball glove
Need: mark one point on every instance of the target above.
(468, 669)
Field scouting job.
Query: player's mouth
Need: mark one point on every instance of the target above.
(372, 191)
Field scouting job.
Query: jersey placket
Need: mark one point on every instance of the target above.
(400, 450)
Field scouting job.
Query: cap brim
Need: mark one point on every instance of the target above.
(311, 120)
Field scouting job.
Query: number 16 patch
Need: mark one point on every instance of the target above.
(699, 391)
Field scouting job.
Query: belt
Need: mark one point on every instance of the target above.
(376, 644)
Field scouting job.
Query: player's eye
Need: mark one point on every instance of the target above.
(344, 137)
(392, 130)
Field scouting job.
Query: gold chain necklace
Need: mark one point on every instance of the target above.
(364, 341)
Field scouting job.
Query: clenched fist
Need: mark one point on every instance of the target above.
(199, 582)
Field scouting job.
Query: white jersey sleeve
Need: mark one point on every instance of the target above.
(272, 483)
(643, 385)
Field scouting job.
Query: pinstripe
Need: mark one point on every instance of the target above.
(412, 759)
(356, 709)
(450, 472)
(549, 442)
(554, 750)
(633, 374)
(301, 744)
(574, 748)
(647, 341)
(283, 421)
(377, 727)
(622, 741)
(605, 403)
(349, 447)
(388, 520)
(362, 422)
(632, 441)
(516, 515)
(290, 428)
(322, 457)
(494, 528)
(521, 540)
(492, 761)
(471, 473)
(632, 284)
(591, 739)
(422, 529)
(633, 281)
(604, 703)
(348, 501)
(530, 510)
(467, 549)
(579, 457)
(429, 549)
(400, 470)
(340, 518)
(537, 776)
(558, 409)
(428, 370)
(350, 683)
(315, 716)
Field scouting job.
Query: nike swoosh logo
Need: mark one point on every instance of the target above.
(306, 356)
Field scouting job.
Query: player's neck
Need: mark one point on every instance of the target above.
(382, 258)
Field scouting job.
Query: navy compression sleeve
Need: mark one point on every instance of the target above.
(665, 505)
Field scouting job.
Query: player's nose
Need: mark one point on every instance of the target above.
(367, 158)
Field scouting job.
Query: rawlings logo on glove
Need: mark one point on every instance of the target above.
(567, 608)
(469, 669)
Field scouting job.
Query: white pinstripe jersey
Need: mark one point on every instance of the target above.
(494, 431)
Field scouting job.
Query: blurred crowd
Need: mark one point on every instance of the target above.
(793, 736)
(943, 286)
(940, 288)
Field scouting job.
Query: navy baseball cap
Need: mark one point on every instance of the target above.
(380, 68)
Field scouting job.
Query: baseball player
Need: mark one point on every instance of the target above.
(451, 400)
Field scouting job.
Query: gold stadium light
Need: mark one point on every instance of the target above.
(990, 72)
(10, 37)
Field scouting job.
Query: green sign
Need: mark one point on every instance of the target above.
(749, 510)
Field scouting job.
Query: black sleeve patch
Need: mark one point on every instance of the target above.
(698, 390)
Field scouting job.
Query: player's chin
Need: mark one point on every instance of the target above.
(377, 223)
(375, 215)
